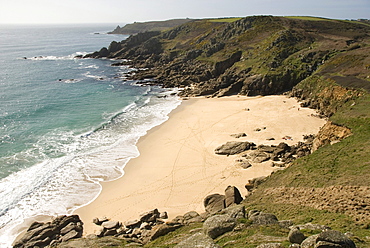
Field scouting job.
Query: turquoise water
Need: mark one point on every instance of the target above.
(65, 124)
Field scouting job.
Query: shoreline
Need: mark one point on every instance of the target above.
(177, 167)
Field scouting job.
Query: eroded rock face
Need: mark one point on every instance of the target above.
(330, 133)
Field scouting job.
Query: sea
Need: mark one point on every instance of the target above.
(66, 124)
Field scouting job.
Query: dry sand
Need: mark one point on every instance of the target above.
(177, 167)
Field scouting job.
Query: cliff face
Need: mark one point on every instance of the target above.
(256, 55)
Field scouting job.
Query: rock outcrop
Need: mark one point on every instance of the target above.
(234, 147)
(216, 202)
(61, 229)
(330, 133)
(218, 224)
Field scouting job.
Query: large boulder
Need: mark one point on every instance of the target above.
(259, 156)
(233, 147)
(197, 240)
(192, 217)
(232, 196)
(261, 218)
(335, 238)
(295, 236)
(309, 242)
(214, 203)
(217, 225)
(160, 230)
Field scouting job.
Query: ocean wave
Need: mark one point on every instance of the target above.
(51, 57)
(72, 178)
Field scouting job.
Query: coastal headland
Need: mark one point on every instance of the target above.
(178, 167)
(237, 69)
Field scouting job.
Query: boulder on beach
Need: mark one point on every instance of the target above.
(232, 196)
(214, 203)
(233, 147)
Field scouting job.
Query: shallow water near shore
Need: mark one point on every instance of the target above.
(65, 124)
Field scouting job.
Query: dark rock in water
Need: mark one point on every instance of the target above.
(232, 196)
(217, 225)
(233, 147)
(61, 229)
(214, 203)
(197, 240)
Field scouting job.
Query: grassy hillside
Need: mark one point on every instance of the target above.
(324, 63)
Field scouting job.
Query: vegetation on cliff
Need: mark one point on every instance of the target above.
(140, 27)
(256, 55)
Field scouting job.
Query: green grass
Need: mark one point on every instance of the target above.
(309, 18)
(231, 19)
(172, 238)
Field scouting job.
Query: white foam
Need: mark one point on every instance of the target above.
(51, 57)
(60, 185)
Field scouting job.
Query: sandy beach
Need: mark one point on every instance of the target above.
(177, 167)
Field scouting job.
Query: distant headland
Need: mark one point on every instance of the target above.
(140, 27)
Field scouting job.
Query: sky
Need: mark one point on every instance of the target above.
(128, 11)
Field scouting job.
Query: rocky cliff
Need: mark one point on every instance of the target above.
(256, 55)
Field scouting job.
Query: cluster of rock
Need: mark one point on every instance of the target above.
(149, 226)
(250, 152)
(216, 202)
(223, 214)
(229, 219)
(61, 229)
